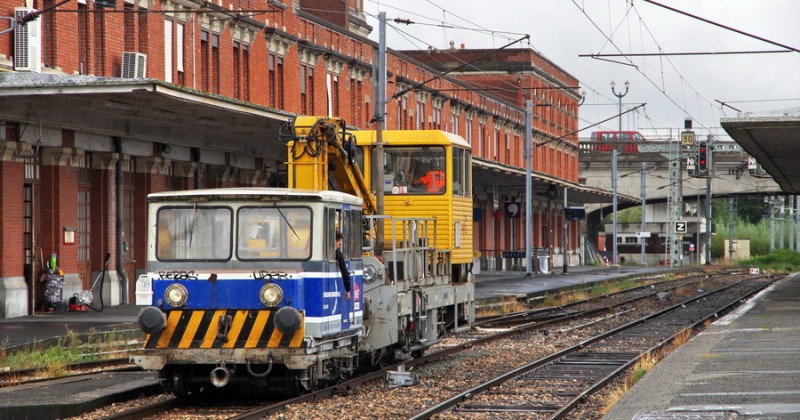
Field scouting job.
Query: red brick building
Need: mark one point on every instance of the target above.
(146, 96)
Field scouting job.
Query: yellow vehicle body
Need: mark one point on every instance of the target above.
(452, 208)
(323, 156)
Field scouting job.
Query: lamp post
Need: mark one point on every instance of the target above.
(620, 95)
(614, 166)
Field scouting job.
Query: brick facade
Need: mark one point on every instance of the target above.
(260, 59)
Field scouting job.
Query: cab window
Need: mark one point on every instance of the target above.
(462, 174)
(193, 233)
(274, 233)
(413, 170)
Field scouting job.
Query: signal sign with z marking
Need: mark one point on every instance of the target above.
(680, 227)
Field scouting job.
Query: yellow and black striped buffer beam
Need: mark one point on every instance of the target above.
(197, 329)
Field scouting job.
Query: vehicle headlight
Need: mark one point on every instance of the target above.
(271, 294)
(370, 273)
(176, 295)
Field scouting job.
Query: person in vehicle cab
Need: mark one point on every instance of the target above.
(433, 180)
(342, 265)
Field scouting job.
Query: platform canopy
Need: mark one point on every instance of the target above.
(142, 109)
(774, 141)
(489, 176)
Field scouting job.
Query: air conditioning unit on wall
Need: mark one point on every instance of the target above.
(134, 65)
(27, 42)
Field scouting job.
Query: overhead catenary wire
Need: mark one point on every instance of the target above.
(477, 87)
(711, 22)
(661, 88)
(473, 86)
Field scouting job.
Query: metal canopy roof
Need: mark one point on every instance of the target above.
(775, 143)
(152, 110)
(143, 109)
(487, 175)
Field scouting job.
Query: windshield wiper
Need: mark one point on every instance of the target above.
(192, 224)
(286, 221)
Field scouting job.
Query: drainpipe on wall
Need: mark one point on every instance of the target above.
(118, 211)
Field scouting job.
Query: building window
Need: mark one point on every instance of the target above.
(351, 86)
(129, 26)
(27, 224)
(508, 148)
(144, 35)
(403, 113)
(237, 70)
(99, 42)
(271, 79)
(32, 166)
(359, 96)
(311, 90)
(179, 47)
(468, 131)
(215, 59)
(168, 51)
(49, 37)
(495, 144)
(280, 82)
(336, 99)
(420, 123)
(246, 71)
(204, 61)
(481, 142)
(303, 95)
(84, 224)
(355, 100)
(83, 39)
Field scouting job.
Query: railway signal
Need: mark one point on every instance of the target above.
(702, 158)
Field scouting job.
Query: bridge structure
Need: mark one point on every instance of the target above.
(732, 172)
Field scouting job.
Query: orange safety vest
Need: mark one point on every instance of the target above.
(434, 181)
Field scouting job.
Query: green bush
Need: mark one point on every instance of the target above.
(779, 261)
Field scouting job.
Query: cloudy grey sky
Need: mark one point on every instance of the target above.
(674, 87)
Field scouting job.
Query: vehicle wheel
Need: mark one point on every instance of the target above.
(179, 386)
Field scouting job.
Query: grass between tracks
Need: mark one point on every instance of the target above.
(512, 304)
(52, 358)
(596, 289)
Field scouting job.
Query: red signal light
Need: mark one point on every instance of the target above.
(702, 153)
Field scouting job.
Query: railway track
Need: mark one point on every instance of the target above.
(565, 321)
(36, 375)
(553, 386)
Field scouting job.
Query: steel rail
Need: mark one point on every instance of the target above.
(456, 399)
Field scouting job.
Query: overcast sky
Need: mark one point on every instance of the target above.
(674, 87)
